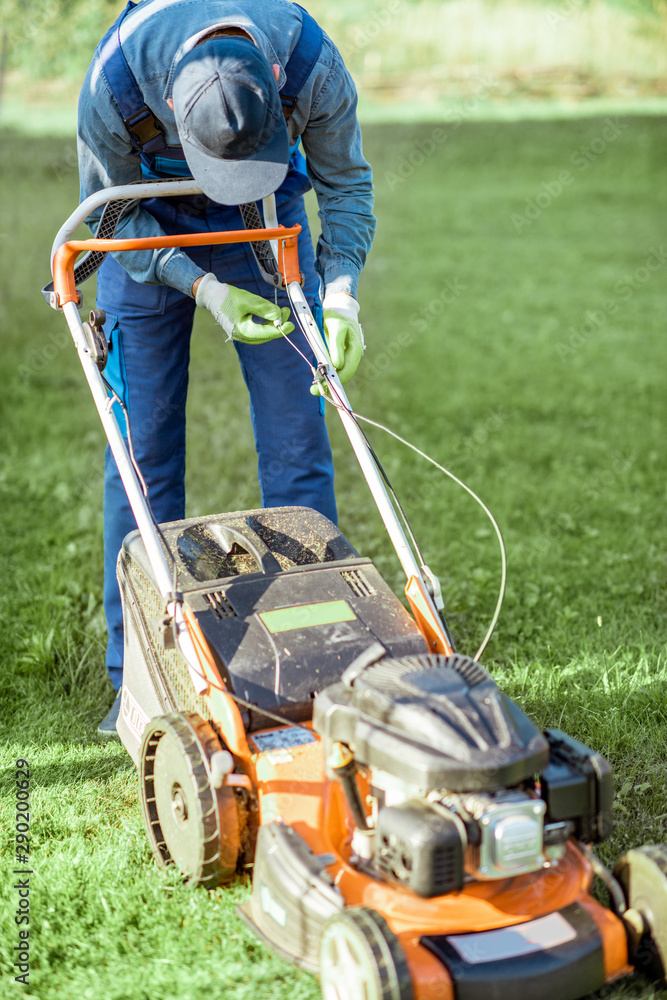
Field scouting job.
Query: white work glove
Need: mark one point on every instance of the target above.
(345, 338)
(233, 308)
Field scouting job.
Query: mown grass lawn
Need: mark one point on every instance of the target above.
(515, 327)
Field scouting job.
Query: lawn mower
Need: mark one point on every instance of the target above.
(412, 834)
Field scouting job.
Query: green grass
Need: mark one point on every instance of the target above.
(566, 446)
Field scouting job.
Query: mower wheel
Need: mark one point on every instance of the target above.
(362, 959)
(190, 823)
(643, 874)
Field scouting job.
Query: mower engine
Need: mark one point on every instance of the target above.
(462, 785)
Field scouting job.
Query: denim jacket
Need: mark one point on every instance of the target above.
(154, 36)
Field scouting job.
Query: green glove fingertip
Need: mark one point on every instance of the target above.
(318, 389)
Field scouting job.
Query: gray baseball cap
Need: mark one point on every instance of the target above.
(230, 120)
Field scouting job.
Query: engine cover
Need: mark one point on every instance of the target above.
(434, 722)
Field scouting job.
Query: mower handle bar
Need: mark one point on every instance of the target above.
(284, 243)
(66, 254)
(121, 192)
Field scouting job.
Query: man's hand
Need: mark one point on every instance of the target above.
(234, 309)
(345, 337)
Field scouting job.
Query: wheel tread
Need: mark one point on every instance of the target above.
(642, 873)
(198, 741)
(393, 978)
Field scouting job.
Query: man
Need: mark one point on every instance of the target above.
(222, 90)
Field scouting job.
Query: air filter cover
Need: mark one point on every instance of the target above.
(433, 722)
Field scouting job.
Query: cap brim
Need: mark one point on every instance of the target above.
(235, 182)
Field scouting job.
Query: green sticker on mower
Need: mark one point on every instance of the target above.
(307, 616)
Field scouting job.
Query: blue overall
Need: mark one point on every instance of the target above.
(149, 328)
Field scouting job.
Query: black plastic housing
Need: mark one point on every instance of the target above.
(233, 569)
(293, 895)
(577, 785)
(433, 722)
(420, 847)
(565, 972)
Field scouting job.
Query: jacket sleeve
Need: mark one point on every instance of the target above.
(341, 178)
(106, 158)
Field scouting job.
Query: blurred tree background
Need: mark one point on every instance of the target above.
(419, 54)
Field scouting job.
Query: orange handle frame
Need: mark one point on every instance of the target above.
(66, 255)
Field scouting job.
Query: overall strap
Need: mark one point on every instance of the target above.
(145, 130)
(302, 61)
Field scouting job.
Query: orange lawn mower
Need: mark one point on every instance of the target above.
(413, 835)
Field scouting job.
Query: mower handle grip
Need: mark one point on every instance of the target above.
(66, 254)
